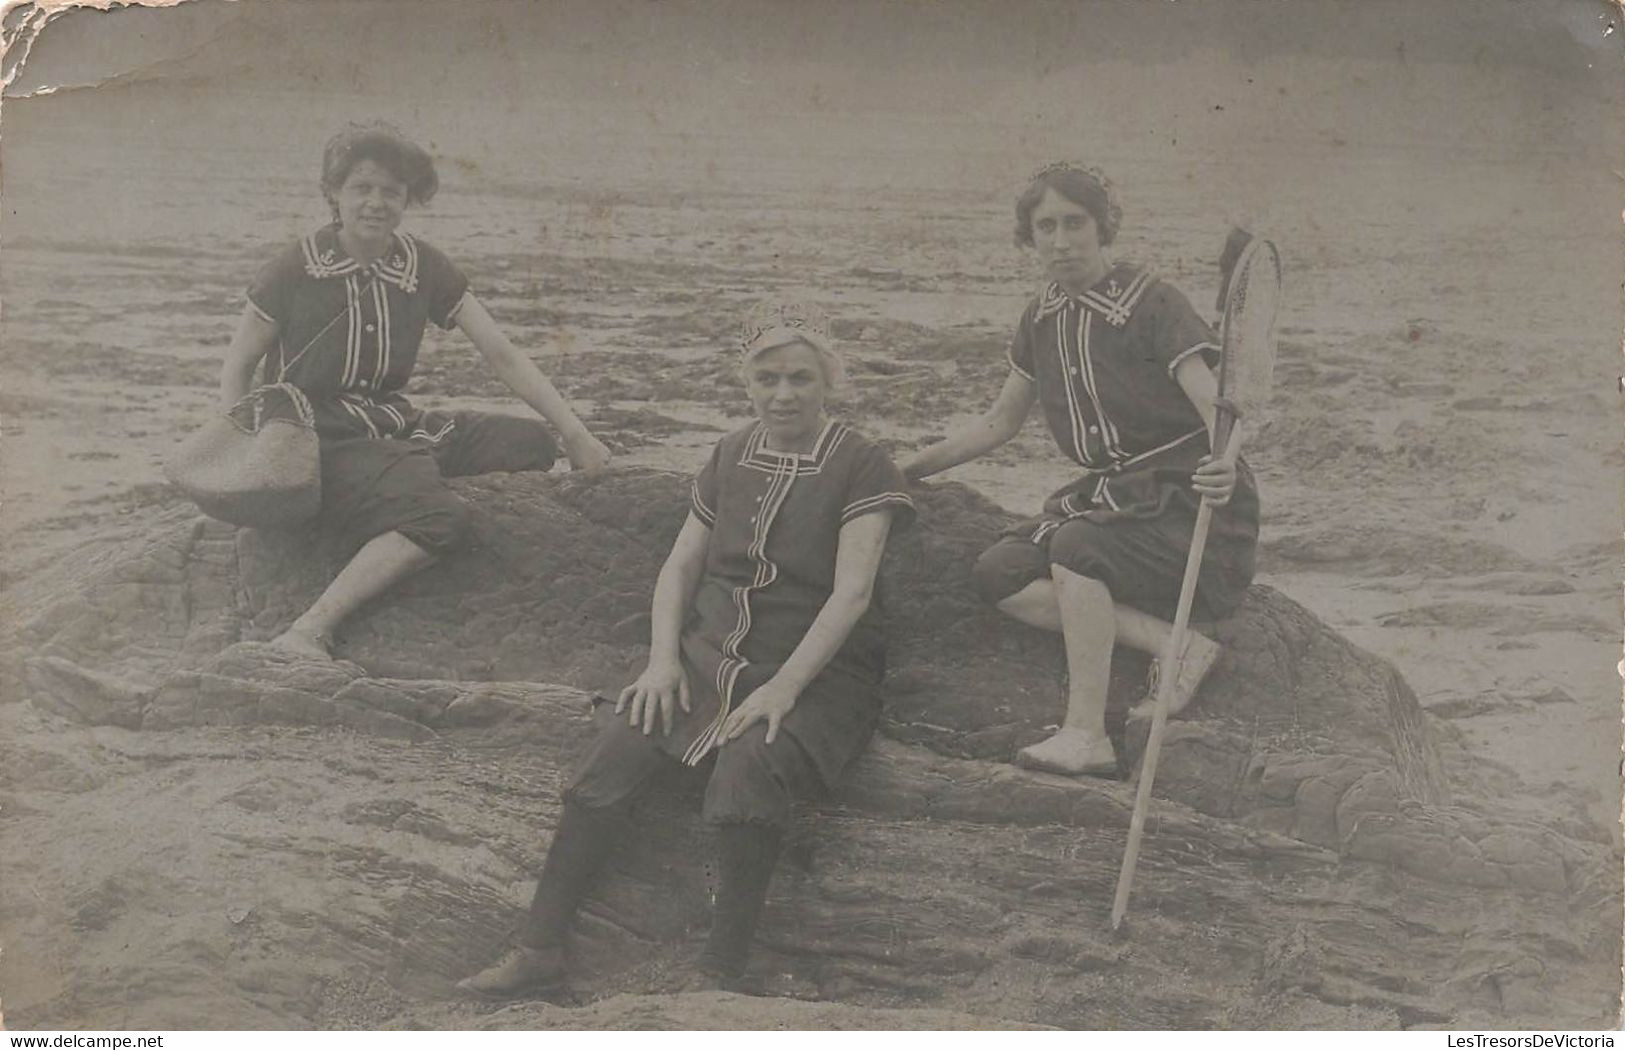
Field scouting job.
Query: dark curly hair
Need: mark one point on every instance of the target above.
(385, 145)
(1085, 187)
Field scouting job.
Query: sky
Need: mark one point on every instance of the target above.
(489, 80)
(264, 39)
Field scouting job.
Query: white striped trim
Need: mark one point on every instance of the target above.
(1042, 533)
(398, 265)
(1140, 457)
(1010, 356)
(860, 507)
(352, 338)
(733, 661)
(322, 262)
(405, 275)
(701, 511)
(394, 415)
(456, 311)
(1175, 443)
(758, 456)
(347, 402)
(438, 436)
(260, 311)
(1117, 310)
(1104, 493)
(1196, 349)
(380, 303)
(1108, 429)
(1050, 300)
(1074, 407)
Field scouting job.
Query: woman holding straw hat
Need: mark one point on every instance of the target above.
(765, 657)
(1123, 367)
(340, 315)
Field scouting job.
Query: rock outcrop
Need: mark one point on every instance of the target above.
(267, 829)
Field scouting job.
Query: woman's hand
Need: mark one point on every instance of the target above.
(771, 702)
(661, 687)
(586, 452)
(1215, 480)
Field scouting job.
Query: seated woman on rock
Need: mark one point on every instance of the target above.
(765, 658)
(340, 314)
(1123, 367)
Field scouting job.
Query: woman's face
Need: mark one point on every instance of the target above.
(787, 388)
(1067, 241)
(371, 202)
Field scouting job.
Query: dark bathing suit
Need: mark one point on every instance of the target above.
(382, 459)
(1104, 368)
(775, 521)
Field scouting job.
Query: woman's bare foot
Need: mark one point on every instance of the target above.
(310, 645)
(1201, 653)
(1071, 752)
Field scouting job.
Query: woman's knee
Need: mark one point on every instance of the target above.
(757, 782)
(616, 764)
(1077, 547)
(1007, 567)
(443, 526)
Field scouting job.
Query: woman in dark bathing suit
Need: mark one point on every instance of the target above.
(766, 653)
(1123, 367)
(340, 314)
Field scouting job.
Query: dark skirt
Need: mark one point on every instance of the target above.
(832, 720)
(747, 779)
(1133, 533)
(371, 486)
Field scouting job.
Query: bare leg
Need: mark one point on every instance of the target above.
(1089, 630)
(1038, 605)
(384, 561)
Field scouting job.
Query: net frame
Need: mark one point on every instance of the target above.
(1247, 352)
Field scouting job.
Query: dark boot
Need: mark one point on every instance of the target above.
(580, 847)
(748, 854)
(520, 971)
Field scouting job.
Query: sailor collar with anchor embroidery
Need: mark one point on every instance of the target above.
(325, 257)
(1113, 297)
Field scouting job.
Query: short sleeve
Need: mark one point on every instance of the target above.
(702, 492)
(1020, 352)
(876, 484)
(1178, 331)
(271, 291)
(441, 283)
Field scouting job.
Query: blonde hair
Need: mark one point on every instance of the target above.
(831, 365)
(774, 323)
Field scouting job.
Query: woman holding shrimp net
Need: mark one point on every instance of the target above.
(1123, 367)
